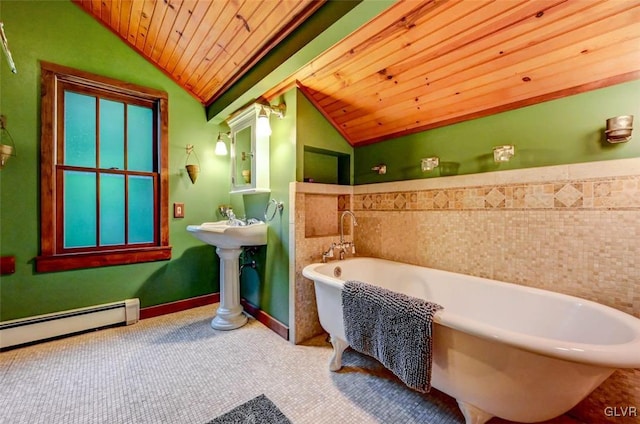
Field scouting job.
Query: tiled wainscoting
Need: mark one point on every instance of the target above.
(573, 229)
(314, 226)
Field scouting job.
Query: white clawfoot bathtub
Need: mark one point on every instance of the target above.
(499, 349)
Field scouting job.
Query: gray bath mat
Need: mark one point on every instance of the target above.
(259, 410)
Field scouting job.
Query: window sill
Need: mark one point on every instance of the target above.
(67, 262)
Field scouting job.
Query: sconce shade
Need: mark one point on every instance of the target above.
(503, 153)
(221, 148)
(428, 164)
(619, 129)
(263, 128)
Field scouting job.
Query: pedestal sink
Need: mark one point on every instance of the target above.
(229, 240)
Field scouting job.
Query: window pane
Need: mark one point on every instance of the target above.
(79, 129)
(79, 209)
(140, 209)
(111, 134)
(139, 138)
(111, 209)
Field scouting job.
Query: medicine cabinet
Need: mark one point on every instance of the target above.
(249, 153)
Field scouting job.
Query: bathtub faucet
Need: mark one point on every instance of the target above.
(328, 253)
(344, 245)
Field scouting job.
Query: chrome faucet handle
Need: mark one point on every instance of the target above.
(328, 253)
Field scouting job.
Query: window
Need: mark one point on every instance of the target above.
(104, 172)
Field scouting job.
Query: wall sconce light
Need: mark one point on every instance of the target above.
(6, 150)
(429, 164)
(503, 153)
(221, 147)
(380, 169)
(619, 129)
(263, 127)
(192, 170)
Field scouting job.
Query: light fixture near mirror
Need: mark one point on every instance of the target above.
(263, 127)
(221, 147)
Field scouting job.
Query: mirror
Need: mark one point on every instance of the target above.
(244, 156)
(249, 153)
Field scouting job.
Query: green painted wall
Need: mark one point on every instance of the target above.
(316, 132)
(567, 130)
(62, 33)
(268, 285)
(321, 168)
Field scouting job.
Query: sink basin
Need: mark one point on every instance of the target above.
(223, 235)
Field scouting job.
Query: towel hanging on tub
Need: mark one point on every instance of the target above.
(392, 327)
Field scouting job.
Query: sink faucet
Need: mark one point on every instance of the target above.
(344, 245)
(233, 221)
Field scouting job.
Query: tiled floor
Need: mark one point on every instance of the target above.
(176, 369)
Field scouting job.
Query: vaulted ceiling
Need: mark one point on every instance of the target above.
(205, 46)
(417, 65)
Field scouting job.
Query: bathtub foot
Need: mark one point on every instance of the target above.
(335, 362)
(473, 414)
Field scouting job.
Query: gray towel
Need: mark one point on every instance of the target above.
(393, 328)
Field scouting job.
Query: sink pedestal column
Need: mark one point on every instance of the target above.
(229, 315)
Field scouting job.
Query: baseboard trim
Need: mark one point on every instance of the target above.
(266, 319)
(209, 299)
(179, 305)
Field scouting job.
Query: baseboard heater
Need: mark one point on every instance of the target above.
(28, 330)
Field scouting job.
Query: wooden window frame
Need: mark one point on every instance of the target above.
(53, 257)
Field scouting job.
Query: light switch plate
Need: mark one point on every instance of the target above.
(178, 210)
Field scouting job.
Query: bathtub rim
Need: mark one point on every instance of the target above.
(617, 355)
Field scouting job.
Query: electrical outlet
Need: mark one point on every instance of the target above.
(178, 210)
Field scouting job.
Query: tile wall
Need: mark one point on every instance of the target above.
(314, 225)
(573, 229)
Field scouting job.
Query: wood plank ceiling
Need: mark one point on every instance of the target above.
(417, 65)
(203, 45)
(422, 65)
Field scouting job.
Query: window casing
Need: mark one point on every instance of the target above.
(104, 172)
